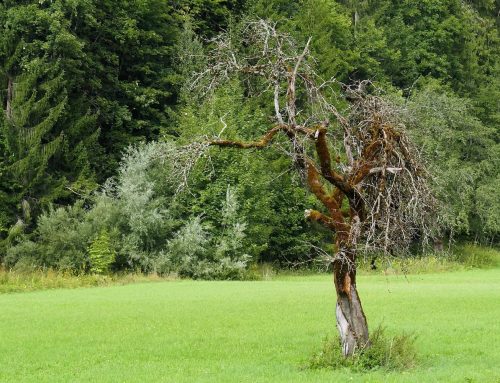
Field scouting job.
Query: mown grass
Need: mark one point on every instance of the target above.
(253, 331)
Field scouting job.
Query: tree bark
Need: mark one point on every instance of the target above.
(351, 320)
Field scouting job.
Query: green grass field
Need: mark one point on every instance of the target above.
(262, 331)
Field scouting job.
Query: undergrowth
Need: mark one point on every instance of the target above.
(477, 256)
(385, 352)
(17, 281)
(27, 277)
(460, 257)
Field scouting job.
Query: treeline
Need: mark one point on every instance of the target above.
(93, 92)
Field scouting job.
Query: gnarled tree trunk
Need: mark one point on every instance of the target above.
(374, 189)
(351, 320)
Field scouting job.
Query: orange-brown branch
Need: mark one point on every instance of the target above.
(317, 216)
(259, 144)
(325, 161)
(332, 202)
(316, 187)
(383, 138)
(266, 138)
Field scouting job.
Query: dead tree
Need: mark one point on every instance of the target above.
(359, 163)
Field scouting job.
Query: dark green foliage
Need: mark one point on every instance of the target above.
(272, 199)
(96, 74)
(32, 136)
(462, 153)
(445, 39)
(37, 54)
(210, 16)
(82, 80)
(384, 352)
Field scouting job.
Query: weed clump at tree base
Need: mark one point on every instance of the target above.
(384, 352)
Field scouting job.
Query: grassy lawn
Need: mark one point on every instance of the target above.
(263, 331)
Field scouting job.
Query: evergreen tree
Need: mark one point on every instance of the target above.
(32, 139)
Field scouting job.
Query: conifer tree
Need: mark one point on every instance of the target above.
(34, 106)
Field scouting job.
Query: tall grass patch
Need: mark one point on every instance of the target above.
(472, 255)
(41, 279)
(459, 257)
(394, 353)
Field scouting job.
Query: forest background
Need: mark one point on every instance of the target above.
(94, 93)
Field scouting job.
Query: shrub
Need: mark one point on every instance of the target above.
(225, 268)
(142, 202)
(389, 353)
(230, 246)
(191, 253)
(195, 253)
(63, 237)
(135, 222)
(101, 254)
(25, 255)
(476, 256)
(187, 248)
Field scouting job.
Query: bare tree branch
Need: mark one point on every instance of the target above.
(377, 170)
(374, 190)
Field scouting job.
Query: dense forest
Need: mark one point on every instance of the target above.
(94, 93)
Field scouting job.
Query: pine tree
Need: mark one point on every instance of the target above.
(32, 114)
(34, 107)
